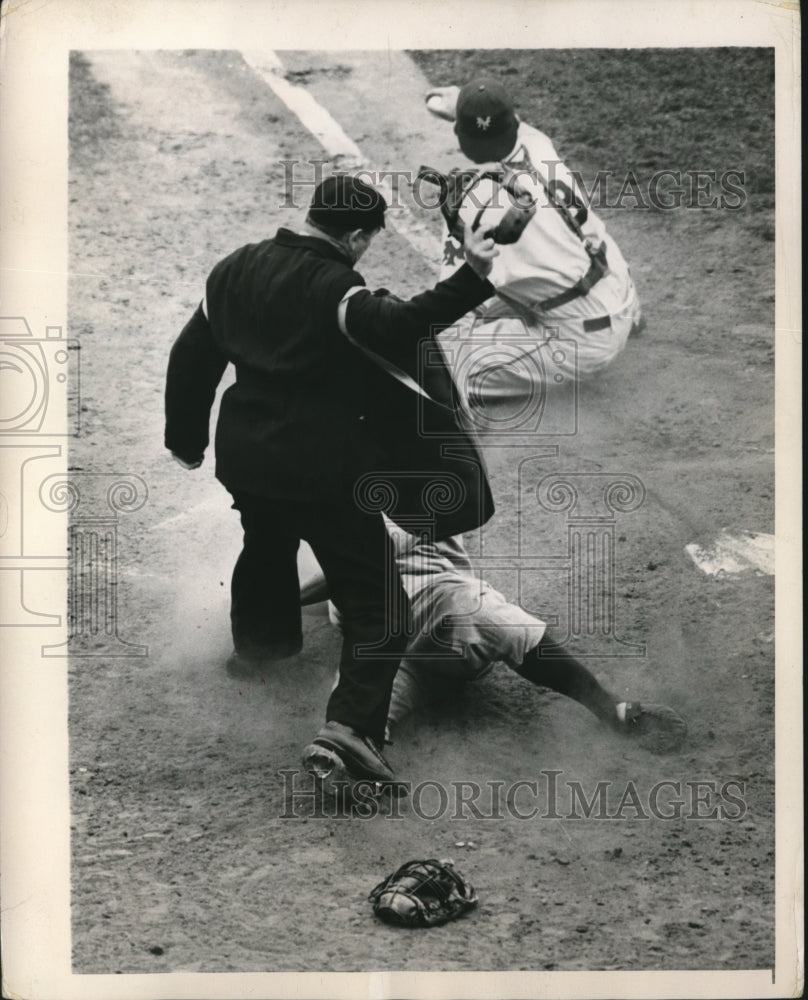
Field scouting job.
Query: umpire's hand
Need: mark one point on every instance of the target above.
(480, 251)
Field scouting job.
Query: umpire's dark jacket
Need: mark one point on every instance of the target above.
(311, 416)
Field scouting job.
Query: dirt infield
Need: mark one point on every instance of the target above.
(190, 850)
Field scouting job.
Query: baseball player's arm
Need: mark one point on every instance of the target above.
(195, 368)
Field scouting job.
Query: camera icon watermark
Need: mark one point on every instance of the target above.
(40, 400)
(517, 380)
(39, 380)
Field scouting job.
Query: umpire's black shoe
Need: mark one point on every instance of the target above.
(252, 664)
(245, 667)
(361, 756)
(655, 727)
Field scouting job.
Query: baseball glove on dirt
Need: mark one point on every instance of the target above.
(423, 894)
(491, 196)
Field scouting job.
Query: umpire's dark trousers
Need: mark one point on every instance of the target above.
(357, 557)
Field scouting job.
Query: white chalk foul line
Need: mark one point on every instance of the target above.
(733, 553)
(332, 138)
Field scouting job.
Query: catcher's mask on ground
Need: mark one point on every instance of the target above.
(485, 121)
(423, 894)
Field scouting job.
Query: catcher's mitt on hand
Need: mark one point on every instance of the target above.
(491, 196)
(423, 894)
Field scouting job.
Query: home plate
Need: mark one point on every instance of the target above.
(733, 553)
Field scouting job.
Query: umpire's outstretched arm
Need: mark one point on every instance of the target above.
(383, 323)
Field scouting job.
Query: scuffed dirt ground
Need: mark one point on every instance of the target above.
(182, 857)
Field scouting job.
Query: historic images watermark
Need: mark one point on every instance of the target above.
(548, 795)
(663, 190)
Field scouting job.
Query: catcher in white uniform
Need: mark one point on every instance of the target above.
(463, 627)
(564, 278)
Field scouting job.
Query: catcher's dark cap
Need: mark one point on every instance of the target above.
(485, 121)
(342, 203)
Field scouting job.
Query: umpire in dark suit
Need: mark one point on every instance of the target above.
(316, 428)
